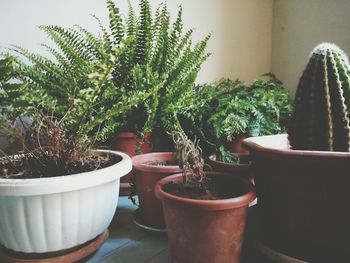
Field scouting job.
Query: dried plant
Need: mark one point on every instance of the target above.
(189, 156)
(46, 149)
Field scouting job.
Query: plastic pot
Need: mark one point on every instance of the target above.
(40, 215)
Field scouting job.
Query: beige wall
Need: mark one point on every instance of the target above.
(241, 29)
(298, 26)
(241, 36)
(249, 37)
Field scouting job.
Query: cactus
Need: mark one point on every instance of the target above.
(321, 118)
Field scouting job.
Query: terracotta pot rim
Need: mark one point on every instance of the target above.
(141, 162)
(211, 205)
(212, 158)
(267, 145)
(129, 134)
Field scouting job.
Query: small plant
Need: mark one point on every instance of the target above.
(190, 159)
(46, 142)
(195, 183)
(259, 109)
(320, 119)
(46, 149)
(223, 110)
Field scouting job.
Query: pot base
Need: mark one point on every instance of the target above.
(256, 242)
(67, 255)
(274, 255)
(137, 218)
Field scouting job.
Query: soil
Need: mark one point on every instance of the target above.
(163, 163)
(216, 189)
(22, 167)
(237, 159)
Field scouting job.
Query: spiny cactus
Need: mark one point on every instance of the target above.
(321, 119)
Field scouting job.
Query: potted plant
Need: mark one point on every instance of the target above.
(260, 109)
(67, 76)
(160, 55)
(155, 68)
(221, 114)
(301, 178)
(204, 213)
(56, 193)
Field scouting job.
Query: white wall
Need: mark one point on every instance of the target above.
(298, 26)
(241, 41)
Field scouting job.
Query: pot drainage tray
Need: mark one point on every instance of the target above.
(137, 218)
(69, 255)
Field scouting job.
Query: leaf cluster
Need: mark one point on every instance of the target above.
(225, 109)
(125, 78)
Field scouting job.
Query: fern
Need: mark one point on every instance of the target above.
(227, 108)
(134, 74)
(144, 35)
(131, 22)
(115, 22)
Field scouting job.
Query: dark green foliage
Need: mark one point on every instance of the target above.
(10, 93)
(320, 120)
(220, 111)
(123, 79)
(160, 55)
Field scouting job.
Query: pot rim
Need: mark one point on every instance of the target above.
(210, 205)
(141, 162)
(279, 145)
(130, 134)
(212, 158)
(66, 183)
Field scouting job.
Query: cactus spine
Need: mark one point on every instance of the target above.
(321, 117)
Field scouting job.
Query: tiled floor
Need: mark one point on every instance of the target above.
(128, 243)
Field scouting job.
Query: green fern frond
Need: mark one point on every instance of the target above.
(69, 42)
(94, 44)
(115, 22)
(131, 22)
(108, 43)
(144, 34)
(175, 36)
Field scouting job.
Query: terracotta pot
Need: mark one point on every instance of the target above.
(242, 169)
(147, 175)
(236, 145)
(206, 231)
(303, 199)
(127, 142)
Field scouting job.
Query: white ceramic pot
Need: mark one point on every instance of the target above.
(51, 214)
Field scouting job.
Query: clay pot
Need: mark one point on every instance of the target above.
(241, 169)
(236, 145)
(303, 199)
(148, 173)
(206, 231)
(127, 142)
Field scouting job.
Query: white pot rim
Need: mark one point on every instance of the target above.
(66, 183)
